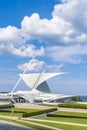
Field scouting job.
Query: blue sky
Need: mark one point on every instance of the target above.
(55, 32)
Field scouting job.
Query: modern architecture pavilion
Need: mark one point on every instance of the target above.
(40, 91)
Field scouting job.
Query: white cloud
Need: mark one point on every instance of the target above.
(27, 51)
(71, 54)
(68, 27)
(33, 65)
(65, 25)
(12, 35)
(44, 29)
(11, 38)
(38, 66)
(75, 13)
(54, 67)
(1, 48)
(8, 33)
(14, 41)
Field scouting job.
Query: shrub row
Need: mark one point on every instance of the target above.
(73, 105)
(65, 116)
(6, 106)
(39, 112)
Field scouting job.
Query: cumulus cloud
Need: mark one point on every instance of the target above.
(8, 33)
(12, 35)
(66, 30)
(14, 41)
(65, 26)
(11, 38)
(39, 66)
(27, 51)
(44, 29)
(75, 13)
(33, 65)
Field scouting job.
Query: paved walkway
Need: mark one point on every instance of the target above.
(72, 110)
(30, 106)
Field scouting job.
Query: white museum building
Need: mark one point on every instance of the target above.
(40, 91)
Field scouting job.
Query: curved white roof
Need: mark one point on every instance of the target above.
(35, 79)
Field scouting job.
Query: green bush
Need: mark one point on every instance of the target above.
(66, 116)
(39, 112)
(73, 105)
(6, 106)
(76, 99)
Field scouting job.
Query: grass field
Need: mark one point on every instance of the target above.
(65, 113)
(17, 112)
(67, 119)
(72, 120)
(63, 126)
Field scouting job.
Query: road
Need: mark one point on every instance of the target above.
(9, 126)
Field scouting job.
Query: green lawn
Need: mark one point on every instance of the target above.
(63, 126)
(73, 120)
(67, 119)
(65, 113)
(25, 110)
(19, 111)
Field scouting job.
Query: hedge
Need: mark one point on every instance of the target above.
(6, 106)
(73, 105)
(65, 116)
(39, 112)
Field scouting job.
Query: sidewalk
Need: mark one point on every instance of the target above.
(72, 110)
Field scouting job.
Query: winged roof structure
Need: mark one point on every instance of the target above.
(40, 91)
(35, 79)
